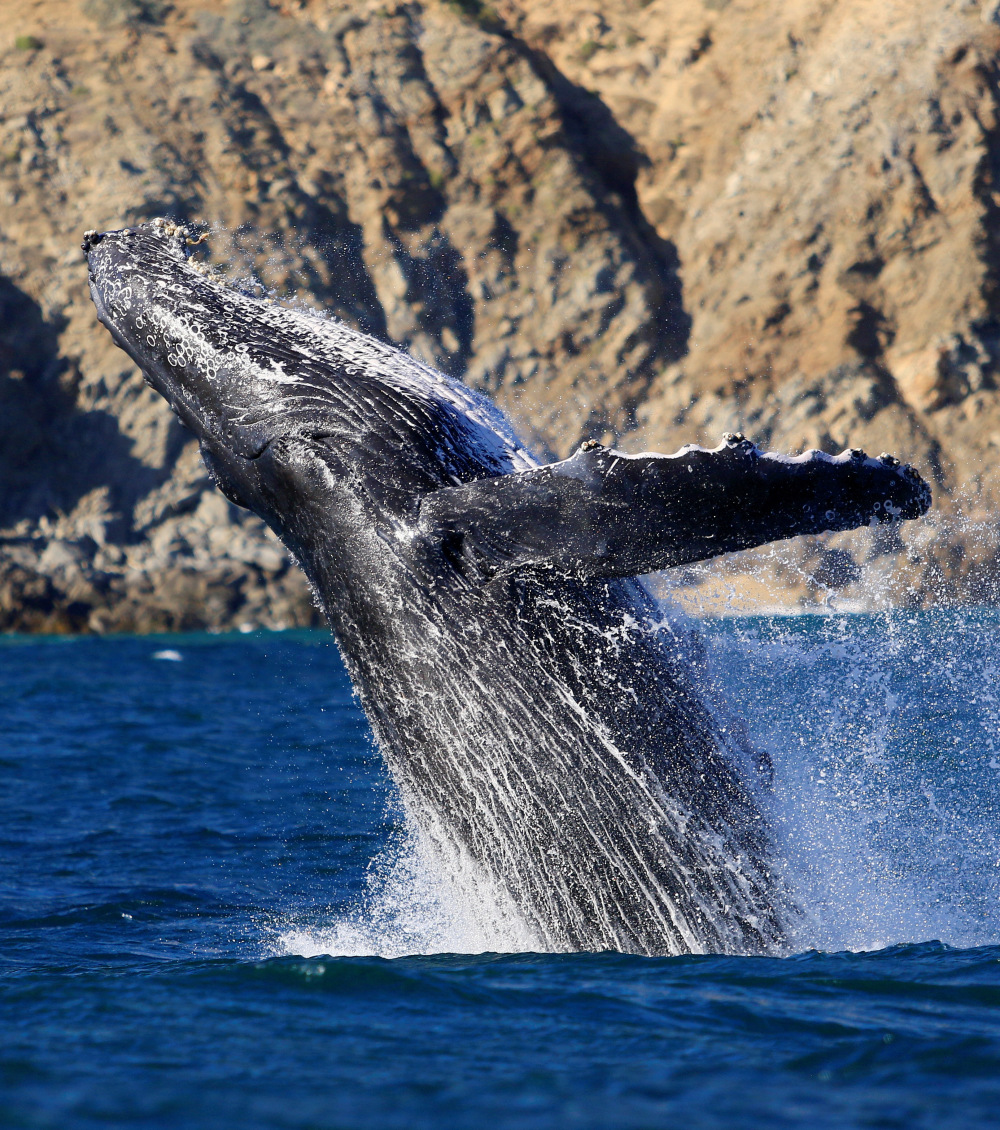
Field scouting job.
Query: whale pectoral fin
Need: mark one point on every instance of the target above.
(603, 513)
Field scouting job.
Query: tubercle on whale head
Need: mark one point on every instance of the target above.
(182, 236)
(184, 333)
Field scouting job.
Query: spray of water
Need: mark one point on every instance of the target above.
(883, 731)
(414, 904)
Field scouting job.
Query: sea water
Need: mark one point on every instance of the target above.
(214, 913)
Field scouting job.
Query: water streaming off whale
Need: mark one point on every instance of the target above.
(883, 730)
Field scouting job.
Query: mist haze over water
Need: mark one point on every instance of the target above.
(215, 913)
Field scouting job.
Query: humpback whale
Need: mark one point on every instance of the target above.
(546, 724)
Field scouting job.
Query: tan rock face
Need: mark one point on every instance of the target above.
(406, 168)
(653, 222)
(825, 170)
(827, 174)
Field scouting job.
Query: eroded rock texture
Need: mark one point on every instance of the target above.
(652, 223)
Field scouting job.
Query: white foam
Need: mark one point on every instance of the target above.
(415, 904)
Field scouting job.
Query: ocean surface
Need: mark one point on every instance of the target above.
(213, 913)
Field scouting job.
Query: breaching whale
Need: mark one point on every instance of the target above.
(547, 727)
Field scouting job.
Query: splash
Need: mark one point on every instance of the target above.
(882, 729)
(416, 902)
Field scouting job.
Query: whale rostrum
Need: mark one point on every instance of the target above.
(551, 730)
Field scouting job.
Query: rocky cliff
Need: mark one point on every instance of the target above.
(643, 222)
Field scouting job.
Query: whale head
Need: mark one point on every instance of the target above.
(211, 353)
(291, 409)
(178, 328)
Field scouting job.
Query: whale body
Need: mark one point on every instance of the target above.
(546, 725)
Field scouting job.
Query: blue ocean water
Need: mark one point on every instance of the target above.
(213, 913)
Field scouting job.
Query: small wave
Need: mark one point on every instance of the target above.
(146, 905)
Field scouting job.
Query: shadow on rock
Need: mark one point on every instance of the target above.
(52, 454)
